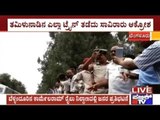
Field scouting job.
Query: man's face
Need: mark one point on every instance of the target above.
(101, 58)
(69, 73)
(113, 51)
(57, 84)
(90, 67)
(80, 68)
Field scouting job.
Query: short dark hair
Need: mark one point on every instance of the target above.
(103, 51)
(61, 76)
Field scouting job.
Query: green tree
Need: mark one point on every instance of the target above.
(5, 79)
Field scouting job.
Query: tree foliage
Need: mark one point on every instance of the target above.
(5, 79)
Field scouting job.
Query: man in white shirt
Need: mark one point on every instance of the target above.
(67, 83)
(117, 83)
(84, 76)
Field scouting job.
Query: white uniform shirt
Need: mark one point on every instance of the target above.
(99, 72)
(86, 77)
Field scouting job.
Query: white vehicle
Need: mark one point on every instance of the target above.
(7, 90)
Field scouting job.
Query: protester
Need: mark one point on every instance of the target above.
(98, 61)
(115, 80)
(86, 77)
(149, 64)
(67, 83)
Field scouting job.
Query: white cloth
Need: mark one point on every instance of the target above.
(66, 86)
(99, 72)
(117, 84)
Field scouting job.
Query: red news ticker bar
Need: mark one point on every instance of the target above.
(139, 36)
(3, 19)
(68, 99)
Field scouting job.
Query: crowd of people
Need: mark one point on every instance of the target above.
(100, 75)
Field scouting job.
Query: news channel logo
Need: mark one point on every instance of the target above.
(141, 99)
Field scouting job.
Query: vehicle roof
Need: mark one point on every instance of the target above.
(3, 85)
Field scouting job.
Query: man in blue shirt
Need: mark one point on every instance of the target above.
(149, 64)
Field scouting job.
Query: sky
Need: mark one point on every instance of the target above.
(19, 52)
